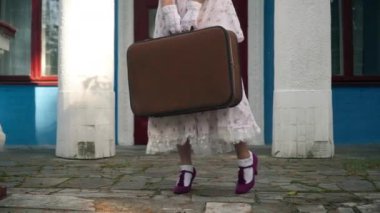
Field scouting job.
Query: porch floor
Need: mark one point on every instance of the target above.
(131, 181)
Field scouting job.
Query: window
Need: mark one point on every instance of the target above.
(33, 55)
(355, 40)
(50, 24)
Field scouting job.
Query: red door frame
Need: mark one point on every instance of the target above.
(141, 23)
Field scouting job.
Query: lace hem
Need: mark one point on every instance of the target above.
(222, 142)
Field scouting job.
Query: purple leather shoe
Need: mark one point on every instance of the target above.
(180, 188)
(241, 186)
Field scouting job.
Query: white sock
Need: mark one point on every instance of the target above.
(188, 176)
(248, 172)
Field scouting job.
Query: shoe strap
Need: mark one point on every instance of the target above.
(182, 177)
(246, 167)
(185, 171)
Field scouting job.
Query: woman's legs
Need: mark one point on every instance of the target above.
(188, 172)
(242, 150)
(246, 168)
(184, 152)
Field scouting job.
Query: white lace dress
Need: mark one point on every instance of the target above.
(212, 131)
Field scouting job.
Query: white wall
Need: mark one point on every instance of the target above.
(126, 38)
(86, 105)
(302, 96)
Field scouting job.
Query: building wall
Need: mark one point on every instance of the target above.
(28, 114)
(356, 114)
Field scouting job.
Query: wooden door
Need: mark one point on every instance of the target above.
(144, 15)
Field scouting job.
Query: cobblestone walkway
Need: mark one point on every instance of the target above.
(134, 182)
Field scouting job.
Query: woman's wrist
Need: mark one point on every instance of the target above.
(167, 2)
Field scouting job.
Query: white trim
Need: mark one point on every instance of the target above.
(256, 63)
(126, 38)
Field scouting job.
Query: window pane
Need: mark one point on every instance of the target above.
(50, 27)
(336, 38)
(366, 34)
(18, 14)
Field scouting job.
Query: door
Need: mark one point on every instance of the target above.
(145, 11)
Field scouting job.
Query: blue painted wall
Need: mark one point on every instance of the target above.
(356, 114)
(28, 114)
(268, 69)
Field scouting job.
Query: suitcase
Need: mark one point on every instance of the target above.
(184, 73)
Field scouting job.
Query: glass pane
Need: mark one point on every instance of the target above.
(50, 30)
(336, 38)
(152, 20)
(18, 14)
(366, 34)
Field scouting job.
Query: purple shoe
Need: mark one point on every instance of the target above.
(241, 186)
(180, 188)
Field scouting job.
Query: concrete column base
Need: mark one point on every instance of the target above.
(302, 124)
(87, 125)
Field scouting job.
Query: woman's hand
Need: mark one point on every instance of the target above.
(191, 17)
(171, 18)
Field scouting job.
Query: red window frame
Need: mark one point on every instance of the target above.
(35, 77)
(348, 76)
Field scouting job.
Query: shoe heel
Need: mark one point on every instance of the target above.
(255, 163)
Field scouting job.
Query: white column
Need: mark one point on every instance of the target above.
(256, 63)
(2, 138)
(302, 125)
(126, 38)
(86, 105)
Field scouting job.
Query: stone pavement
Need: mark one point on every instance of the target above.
(37, 181)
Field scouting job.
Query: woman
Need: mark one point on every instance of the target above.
(208, 132)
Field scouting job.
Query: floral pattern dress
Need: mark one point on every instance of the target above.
(211, 131)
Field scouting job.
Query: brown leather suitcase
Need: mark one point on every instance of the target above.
(184, 73)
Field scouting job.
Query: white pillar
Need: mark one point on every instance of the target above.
(302, 125)
(256, 63)
(86, 103)
(126, 38)
(2, 138)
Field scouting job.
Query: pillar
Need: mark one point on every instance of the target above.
(86, 99)
(125, 39)
(302, 109)
(2, 138)
(256, 64)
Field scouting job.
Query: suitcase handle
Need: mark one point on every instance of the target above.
(191, 30)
